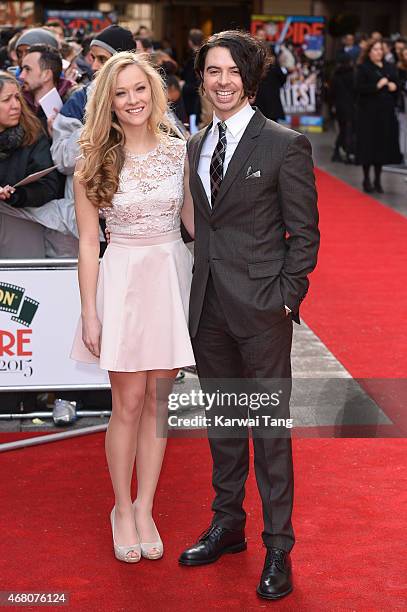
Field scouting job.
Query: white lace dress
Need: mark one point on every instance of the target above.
(145, 273)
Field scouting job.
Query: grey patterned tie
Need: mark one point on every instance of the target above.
(218, 158)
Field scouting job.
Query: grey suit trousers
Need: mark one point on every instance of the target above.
(220, 354)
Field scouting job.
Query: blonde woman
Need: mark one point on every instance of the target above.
(134, 307)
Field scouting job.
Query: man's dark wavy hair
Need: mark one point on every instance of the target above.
(250, 55)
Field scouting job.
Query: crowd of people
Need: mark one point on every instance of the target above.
(37, 219)
(368, 92)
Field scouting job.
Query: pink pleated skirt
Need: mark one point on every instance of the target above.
(142, 303)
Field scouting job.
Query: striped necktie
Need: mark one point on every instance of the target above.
(218, 158)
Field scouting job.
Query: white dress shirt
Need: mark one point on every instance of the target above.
(235, 126)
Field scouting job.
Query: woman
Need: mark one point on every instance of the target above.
(24, 149)
(134, 311)
(377, 129)
(402, 102)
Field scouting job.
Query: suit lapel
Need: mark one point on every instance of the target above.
(243, 150)
(202, 197)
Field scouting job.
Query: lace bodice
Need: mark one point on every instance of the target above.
(151, 191)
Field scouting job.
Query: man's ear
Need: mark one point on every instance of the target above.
(48, 75)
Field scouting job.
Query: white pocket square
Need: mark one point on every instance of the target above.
(251, 174)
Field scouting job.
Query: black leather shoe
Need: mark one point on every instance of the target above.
(378, 187)
(212, 544)
(275, 581)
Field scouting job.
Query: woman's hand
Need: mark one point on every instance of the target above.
(6, 192)
(392, 86)
(382, 83)
(91, 332)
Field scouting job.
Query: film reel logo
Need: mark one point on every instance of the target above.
(13, 300)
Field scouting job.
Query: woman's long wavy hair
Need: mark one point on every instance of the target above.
(31, 125)
(102, 138)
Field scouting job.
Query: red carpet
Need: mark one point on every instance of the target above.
(350, 498)
(350, 523)
(357, 303)
(358, 297)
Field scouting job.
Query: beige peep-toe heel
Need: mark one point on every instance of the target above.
(121, 552)
(152, 550)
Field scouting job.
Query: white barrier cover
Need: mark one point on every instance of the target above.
(39, 310)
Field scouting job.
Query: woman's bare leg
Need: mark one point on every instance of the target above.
(128, 391)
(150, 451)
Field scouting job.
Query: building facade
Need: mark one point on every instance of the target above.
(172, 19)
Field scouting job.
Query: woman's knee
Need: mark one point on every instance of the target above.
(127, 405)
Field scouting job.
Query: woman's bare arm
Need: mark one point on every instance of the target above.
(87, 217)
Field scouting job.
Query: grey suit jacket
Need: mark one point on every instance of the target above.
(260, 241)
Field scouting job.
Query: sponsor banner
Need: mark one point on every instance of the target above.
(87, 22)
(301, 44)
(39, 312)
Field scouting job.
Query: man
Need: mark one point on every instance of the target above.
(85, 59)
(35, 36)
(399, 46)
(40, 72)
(349, 47)
(256, 240)
(388, 54)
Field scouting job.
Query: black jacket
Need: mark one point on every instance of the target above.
(268, 98)
(25, 161)
(190, 91)
(343, 92)
(377, 126)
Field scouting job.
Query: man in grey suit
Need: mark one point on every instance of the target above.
(256, 241)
